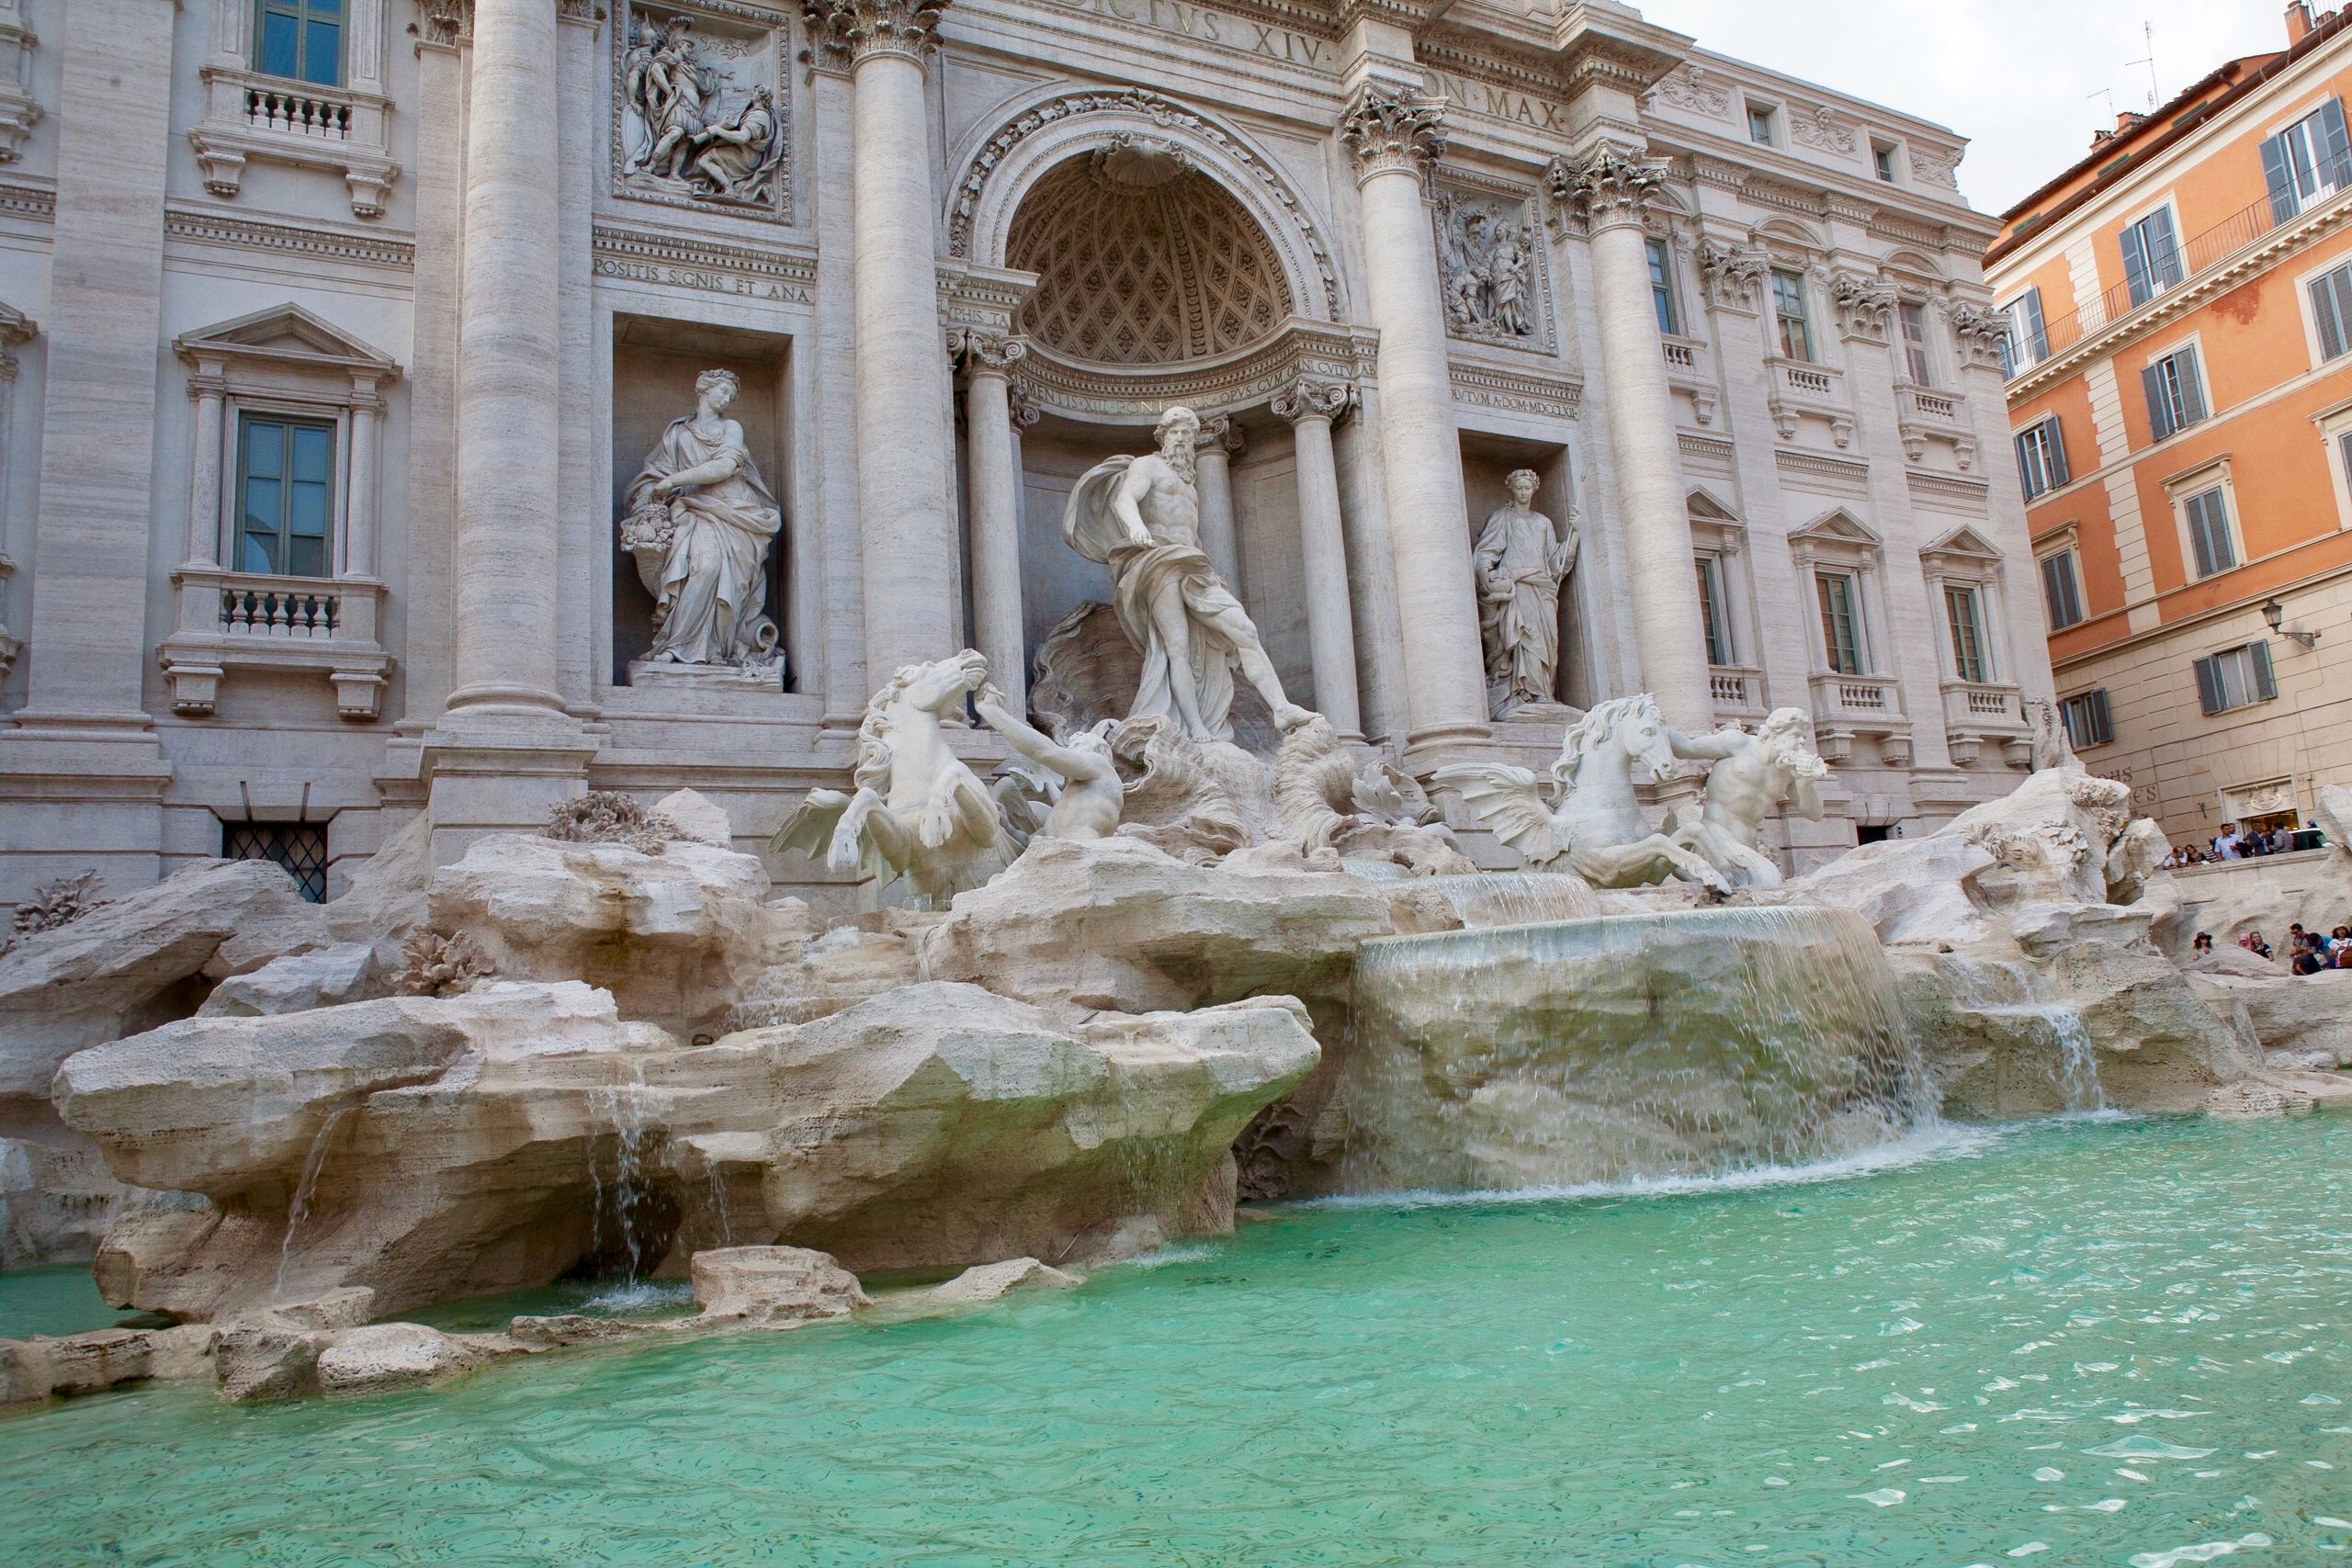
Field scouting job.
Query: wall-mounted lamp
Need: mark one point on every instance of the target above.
(2274, 613)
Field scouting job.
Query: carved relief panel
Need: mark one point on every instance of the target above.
(1490, 268)
(700, 107)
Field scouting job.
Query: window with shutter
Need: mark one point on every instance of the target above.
(2151, 256)
(2235, 677)
(2175, 391)
(2062, 594)
(2027, 342)
(2208, 516)
(2041, 458)
(2307, 162)
(2209, 685)
(2264, 687)
(2331, 311)
(2085, 716)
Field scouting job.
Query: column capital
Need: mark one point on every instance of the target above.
(1220, 435)
(1732, 274)
(1981, 332)
(1388, 125)
(1608, 183)
(1865, 306)
(845, 32)
(1308, 398)
(1026, 412)
(443, 24)
(581, 12)
(982, 352)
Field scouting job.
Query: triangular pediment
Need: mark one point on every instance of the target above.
(1837, 526)
(1705, 508)
(1963, 541)
(287, 335)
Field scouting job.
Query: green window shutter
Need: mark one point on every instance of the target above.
(2192, 385)
(2053, 446)
(2152, 386)
(2275, 174)
(2258, 655)
(2209, 686)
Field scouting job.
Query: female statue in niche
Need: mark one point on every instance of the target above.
(700, 524)
(1520, 564)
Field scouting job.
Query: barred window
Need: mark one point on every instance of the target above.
(299, 847)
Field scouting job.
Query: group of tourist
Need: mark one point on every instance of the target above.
(2230, 844)
(2308, 952)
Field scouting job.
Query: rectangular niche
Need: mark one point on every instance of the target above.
(655, 366)
(1487, 461)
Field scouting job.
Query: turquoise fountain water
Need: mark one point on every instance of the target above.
(2081, 1342)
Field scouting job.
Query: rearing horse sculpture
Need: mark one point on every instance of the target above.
(919, 812)
(1591, 824)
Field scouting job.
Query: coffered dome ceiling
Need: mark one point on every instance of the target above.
(1143, 260)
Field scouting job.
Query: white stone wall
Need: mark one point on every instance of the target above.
(138, 785)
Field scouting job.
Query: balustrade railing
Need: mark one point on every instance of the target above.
(298, 114)
(249, 610)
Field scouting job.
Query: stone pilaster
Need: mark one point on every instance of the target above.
(842, 628)
(995, 477)
(907, 534)
(81, 773)
(1372, 577)
(1393, 132)
(1221, 441)
(1612, 187)
(1312, 407)
(584, 549)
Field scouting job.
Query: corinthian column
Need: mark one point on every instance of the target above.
(1614, 188)
(1221, 440)
(508, 431)
(908, 525)
(995, 478)
(1311, 407)
(1394, 133)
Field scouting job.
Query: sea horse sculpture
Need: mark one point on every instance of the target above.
(919, 811)
(1590, 823)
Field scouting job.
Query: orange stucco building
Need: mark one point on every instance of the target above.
(2180, 394)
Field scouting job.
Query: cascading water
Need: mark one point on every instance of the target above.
(305, 1190)
(624, 1106)
(2001, 995)
(1683, 1042)
(1515, 897)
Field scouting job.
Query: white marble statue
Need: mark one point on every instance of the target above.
(1486, 266)
(1087, 802)
(668, 90)
(1592, 824)
(1521, 563)
(738, 158)
(1140, 517)
(699, 522)
(919, 811)
(1748, 776)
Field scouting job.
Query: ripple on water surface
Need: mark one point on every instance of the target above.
(2082, 1343)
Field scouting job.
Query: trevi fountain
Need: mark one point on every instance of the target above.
(1190, 1154)
(1083, 784)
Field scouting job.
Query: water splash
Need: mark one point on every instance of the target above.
(1489, 899)
(624, 1106)
(2008, 994)
(1690, 1043)
(305, 1190)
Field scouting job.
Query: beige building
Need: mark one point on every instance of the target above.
(2181, 409)
(339, 332)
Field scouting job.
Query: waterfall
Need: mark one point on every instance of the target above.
(305, 1190)
(1682, 1043)
(624, 1107)
(1516, 897)
(2005, 995)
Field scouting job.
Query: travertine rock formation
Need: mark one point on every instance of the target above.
(428, 1148)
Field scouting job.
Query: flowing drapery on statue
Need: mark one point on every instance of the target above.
(1520, 565)
(1140, 517)
(700, 524)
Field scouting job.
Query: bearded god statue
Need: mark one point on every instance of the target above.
(1140, 517)
(1521, 563)
(699, 522)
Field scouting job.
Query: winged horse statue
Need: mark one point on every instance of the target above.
(919, 812)
(1589, 822)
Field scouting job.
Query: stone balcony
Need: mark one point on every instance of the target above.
(231, 621)
(1689, 370)
(1738, 691)
(250, 115)
(1979, 711)
(1799, 388)
(1844, 706)
(1923, 414)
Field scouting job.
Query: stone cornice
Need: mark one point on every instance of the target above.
(1127, 394)
(843, 32)
(1486, 386)
(211, 225)
(1387, 127)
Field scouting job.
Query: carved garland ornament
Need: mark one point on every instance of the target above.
(1608, 184)
(1162, 113)
(1389, 126)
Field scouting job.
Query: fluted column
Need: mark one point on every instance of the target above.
(1614, 188)
(508, 431)
(1310, 407)
(1393, 133)
(995, 477)
(1220, 441)
(908, 524)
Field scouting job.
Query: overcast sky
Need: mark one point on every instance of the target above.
(2022, 79)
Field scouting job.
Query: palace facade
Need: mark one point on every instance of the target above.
(338, 334)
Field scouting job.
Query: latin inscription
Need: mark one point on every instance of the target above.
(1214, 26)
(707, 280)
(1496, 103)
